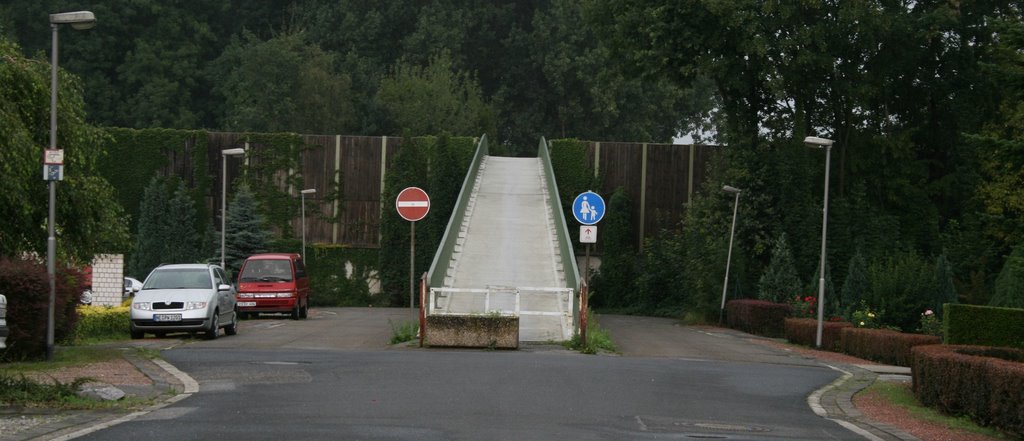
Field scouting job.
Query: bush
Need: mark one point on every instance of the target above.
(339, 276)
(779, 283)
(101, 323)
(983, 325)
(27, 288)
(882, 345)
(757, 316)
(982, 383)
(804, 331)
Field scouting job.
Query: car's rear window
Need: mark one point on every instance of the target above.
(179, 278)
(266, 270)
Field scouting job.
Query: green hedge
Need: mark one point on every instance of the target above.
(983, 325)
(883, 345)
(804, 331)
(331, 284)
(101, 323)
(757, 316)
(982, 383)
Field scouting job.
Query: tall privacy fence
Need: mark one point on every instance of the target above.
(349, 172)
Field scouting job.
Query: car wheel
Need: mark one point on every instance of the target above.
(305, 310)
(211, 333)
(296, 311)
(137, 335)
(232, 329)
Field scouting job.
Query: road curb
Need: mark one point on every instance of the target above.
(834, 402)
(163, 375)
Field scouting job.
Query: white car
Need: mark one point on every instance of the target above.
(131, 287)
(185, 298)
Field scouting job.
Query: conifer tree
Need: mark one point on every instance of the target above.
(856, 285)
(245, 234)
(945, 290)
(1009, 292)
(779, 283)
(152, 236)
(181, 226)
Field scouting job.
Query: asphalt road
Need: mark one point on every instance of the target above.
(334, 378)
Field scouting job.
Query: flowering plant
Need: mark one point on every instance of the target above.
(930, 323)
(804, 307)
(864, 317)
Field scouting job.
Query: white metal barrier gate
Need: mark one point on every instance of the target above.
(541, 308)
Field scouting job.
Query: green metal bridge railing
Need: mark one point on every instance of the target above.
(443, 256)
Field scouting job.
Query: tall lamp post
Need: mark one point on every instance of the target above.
(224, 197)
(303, 194)
(80, 20)
(816, 142)
(728, 260)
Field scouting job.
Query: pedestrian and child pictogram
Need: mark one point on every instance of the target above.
(588, 208)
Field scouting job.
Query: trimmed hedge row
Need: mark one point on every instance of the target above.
(883, 345)
(758, 316)
(27, 287)
(101, 322)
(983, 383)
(804, 331)
(983, 325)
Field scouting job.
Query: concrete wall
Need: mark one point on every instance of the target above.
(472, 331)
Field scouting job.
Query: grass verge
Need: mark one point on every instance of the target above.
(900, 395)
(403, 332)
(598, 339)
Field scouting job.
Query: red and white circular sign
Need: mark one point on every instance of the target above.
(413, 204)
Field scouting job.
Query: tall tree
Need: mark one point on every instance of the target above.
(282, 84)
(245, 233)
(88, 218)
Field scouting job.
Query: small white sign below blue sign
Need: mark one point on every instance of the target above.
(588, 208)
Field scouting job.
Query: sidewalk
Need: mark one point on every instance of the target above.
(135, 376)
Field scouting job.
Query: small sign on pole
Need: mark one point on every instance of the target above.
(588, 234)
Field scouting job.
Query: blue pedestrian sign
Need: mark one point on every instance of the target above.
(588, 208)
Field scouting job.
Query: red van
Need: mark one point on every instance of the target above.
(273, 283)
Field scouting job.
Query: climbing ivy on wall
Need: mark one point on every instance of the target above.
(574, 175)
(135, 156)
(273, 169)
(438, 165)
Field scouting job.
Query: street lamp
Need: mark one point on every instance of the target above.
(303, 194)
(224, 197)
(80, 20)
(732, 232)
(816, 142)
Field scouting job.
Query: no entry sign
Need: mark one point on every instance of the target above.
(413, 204)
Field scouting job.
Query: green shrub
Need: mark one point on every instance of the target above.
(780, 283)
(882, 345)
(978, 382)
(27, 288)
(339, 276)
(804, 331)
(1009, 288)
(902, 287)
(983, 325)
(101, 323)
(758, 316)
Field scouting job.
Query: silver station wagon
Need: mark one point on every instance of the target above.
(185, 298)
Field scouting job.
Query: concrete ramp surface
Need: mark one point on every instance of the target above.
(506, 259)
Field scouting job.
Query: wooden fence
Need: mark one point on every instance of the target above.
(659, 178)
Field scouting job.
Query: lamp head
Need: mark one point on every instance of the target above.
(80, 20)
(233, 152)
(731, 189)
(816, 142)
(308, 191)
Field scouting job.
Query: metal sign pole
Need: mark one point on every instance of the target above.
(412, 263)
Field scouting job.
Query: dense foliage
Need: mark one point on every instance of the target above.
(167, 228)
(27, 289)
(88, 218)
(245, 229)
(515, 70)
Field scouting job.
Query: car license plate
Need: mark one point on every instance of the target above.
(244, 304)
(166, 317)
